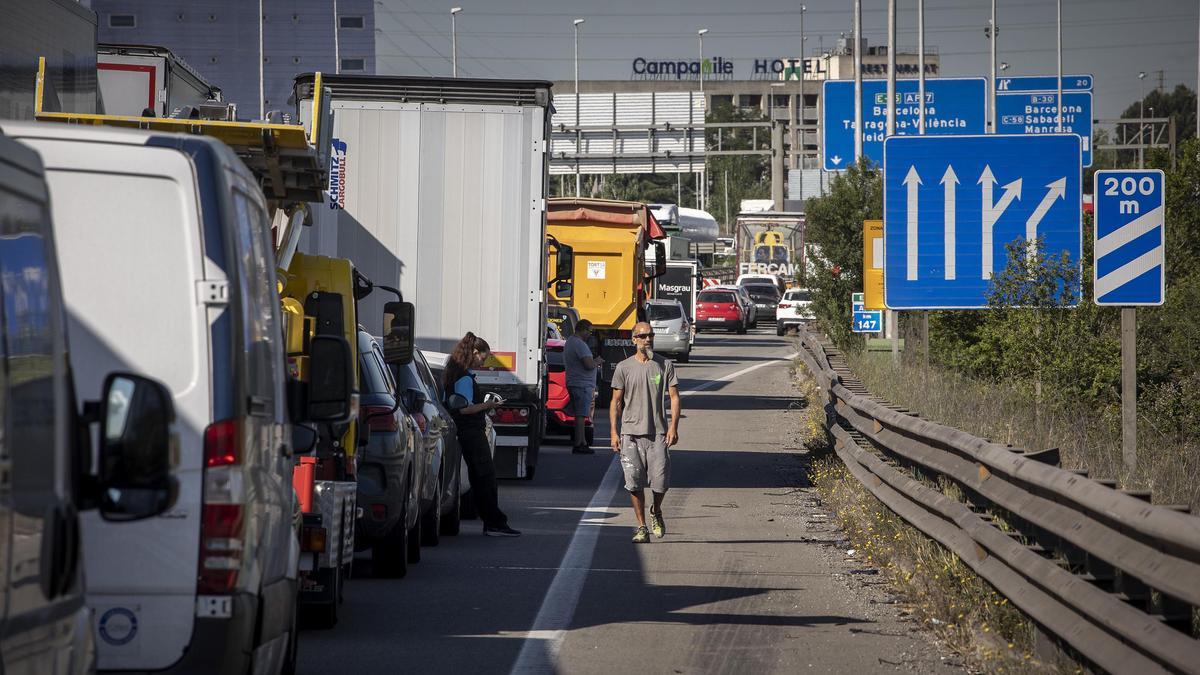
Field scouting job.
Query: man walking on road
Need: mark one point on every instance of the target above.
(581, 381)
(640, 432)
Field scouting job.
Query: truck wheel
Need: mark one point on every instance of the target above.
(431, 526)
(741, 328)
(450, 520)
(413, 549)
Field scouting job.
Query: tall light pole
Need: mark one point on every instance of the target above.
(1142, 121)
(262, 95)
(858, 130)
(578, 134)
(893, 323)
(992, 47)
(454, 39)
(1059, 127)
(921, 77)
(337, 46)
(700, 34)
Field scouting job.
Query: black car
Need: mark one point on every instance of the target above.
(388, 494)
(766, 299)
(440, 467)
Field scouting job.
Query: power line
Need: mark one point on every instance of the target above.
(440, 34)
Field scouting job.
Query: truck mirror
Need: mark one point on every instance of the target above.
(564, 267)
(564, 289)
(660, 259)
(304, 439)
(330, 380)
(399, 323)
(136, 448)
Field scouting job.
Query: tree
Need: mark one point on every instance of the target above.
(834, 229)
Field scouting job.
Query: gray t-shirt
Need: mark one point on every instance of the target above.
(575, 351)
(644, 386)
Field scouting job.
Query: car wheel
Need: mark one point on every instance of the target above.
(431, 525)
(388, 556)
(451, 519)
(413, 549)
(741, 328)
(780, 329)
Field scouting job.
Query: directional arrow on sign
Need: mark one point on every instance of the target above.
(993, 211)
(950, 183)
(913, 181)
(1057, 190)
(836, 159)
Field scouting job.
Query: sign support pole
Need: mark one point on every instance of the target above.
(921, 126)
(893, 320)
(1129, 388)
(858, 111)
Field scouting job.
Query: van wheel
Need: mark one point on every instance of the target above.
(741, 328)
(450, 520)
(413, 549)
(431, 525)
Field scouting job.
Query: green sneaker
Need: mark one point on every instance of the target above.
(642, 536)
(657, 526)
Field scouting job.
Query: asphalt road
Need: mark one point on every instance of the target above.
(749, 577)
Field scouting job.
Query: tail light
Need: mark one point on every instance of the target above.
(511, 416)
(222, 524)
(384, 419)
(784, 305)
(422, 423)
(313, 539)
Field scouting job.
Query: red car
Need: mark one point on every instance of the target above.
(719, 308)
(557, 398)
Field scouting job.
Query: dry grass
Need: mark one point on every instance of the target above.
(1086, 438)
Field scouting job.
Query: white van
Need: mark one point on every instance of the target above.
(168, 270)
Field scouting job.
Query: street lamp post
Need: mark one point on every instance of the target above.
(1142, 121)
(700, 33)
(992, 48)
(454, 40)
(578, 134)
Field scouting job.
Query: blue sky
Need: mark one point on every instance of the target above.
(1112, 39)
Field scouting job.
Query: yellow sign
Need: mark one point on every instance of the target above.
(873, 264)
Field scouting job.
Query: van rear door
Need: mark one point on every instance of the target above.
(132, 261)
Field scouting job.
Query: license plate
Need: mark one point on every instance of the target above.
(661, 329)
(717, 318)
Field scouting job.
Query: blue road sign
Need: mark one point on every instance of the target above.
(870, 321)
(952, 106)
(1043, 83)
(1130, 233)
(951, 205)
(1037, 113)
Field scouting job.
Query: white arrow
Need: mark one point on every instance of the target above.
(992, 212)
(949, 182)
(836, 160)
(1057, 190)
(913, 181)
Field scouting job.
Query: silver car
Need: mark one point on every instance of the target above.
(672, 329)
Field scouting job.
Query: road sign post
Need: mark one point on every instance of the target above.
(952, 204)
(952, 106)
(1129, 260)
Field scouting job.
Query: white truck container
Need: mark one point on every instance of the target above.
(437, 187)
(134, 78)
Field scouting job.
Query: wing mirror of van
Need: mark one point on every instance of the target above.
(137, 447)
(330, 380)
(399, 324)
(456, 402)
(564, 289)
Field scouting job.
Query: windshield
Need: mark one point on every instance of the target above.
(803, 296)
(763, 293)
(779, 254)
(716, 297)
(762, 254)
(663, 312)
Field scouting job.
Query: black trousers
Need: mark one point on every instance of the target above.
(482, 473)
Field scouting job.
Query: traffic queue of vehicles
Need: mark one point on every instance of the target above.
(254, 429)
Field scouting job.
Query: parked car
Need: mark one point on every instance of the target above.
(765, 298)
(47, 626)
(720, 308)
(771, 279)
(437, 365)
(672, 331)
(388, 498)
(558, 416)
(746, 301)
(439, 469)
(180, 283)
(795, 309)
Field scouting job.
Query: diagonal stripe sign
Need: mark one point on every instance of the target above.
(1130, 249)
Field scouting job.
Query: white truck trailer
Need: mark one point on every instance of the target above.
(137, 78)
(437, 187)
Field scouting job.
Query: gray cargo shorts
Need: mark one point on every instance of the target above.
(646, 461)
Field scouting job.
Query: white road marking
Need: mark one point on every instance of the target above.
(544, 639)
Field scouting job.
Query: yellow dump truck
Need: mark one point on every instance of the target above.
(609, 282)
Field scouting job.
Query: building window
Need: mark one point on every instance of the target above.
(122, 21)
(354, 65)
(351, 22)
